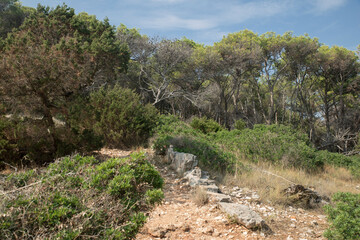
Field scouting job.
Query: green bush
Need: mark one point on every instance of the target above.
(205, 125)
(278, 144)
(184, 138)
(240, 124)
(25, 141)
(116, 114)
(81, 196)
(154, 196)
(344, 217)
(339, 160)
(21, 179)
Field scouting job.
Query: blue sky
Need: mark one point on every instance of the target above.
(334, 22)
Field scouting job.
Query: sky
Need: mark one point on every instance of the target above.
(334, 22)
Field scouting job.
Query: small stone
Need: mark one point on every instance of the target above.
(216, 233)
(314, 223)
(207, 230)
(157, 232)
(185, 228)
(293, 225)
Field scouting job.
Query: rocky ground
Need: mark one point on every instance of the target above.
(180, 218)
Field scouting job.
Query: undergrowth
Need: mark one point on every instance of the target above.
(344, 217)
(221, 149)
(80, 198)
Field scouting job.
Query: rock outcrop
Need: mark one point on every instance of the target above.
(181, 162)
(185, 163)
(243, 214)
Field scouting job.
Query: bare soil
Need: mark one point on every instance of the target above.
(180, 218)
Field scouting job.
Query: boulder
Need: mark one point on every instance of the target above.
(181, 162)
(243, 215)
(210, 188)
(198, 177)
(219, 197)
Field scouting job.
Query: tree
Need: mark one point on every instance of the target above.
(12, 15)
(272, 69)
(300, 58)
(339, 69)
(232, 62)
(53, 56)
(155, 63)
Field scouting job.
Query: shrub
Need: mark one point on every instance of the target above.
(116, 114)
(344, 217)
(8, 147)
(26, 141)
(186, 139)
(205, 125)
(21, 179)
(240, 124)
(81, 196)
(154, 196)
(277, 144)
(200, 196)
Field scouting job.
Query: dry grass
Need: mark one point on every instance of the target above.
(269, 181)
(200, 197)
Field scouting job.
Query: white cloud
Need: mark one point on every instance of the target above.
(175, 22)
(326, 5)
(214, 15)
(259, 9)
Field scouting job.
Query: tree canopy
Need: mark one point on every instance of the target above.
(54, 55)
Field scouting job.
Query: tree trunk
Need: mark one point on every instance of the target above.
(49, 120)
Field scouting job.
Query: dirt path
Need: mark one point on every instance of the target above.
(180, 218)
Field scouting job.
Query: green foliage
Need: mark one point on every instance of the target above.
(277, 144)
(117, 115)
(154, 196)
(21, 179)
(339, 160)
(184, 138)
(240, 124)
(78, 196)
(344, 217)
(121, 177)
(71, 52)
(59, 209)
(205, 125)
(12, 15)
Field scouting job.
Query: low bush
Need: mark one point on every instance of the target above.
(339, 160)
(240, 124)
(200, 197)
(186, 139)
(277, 144)
(223, 150)
(121, 117)
(116, 114)
(205, 125)
(344, 217)
(81, 197)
